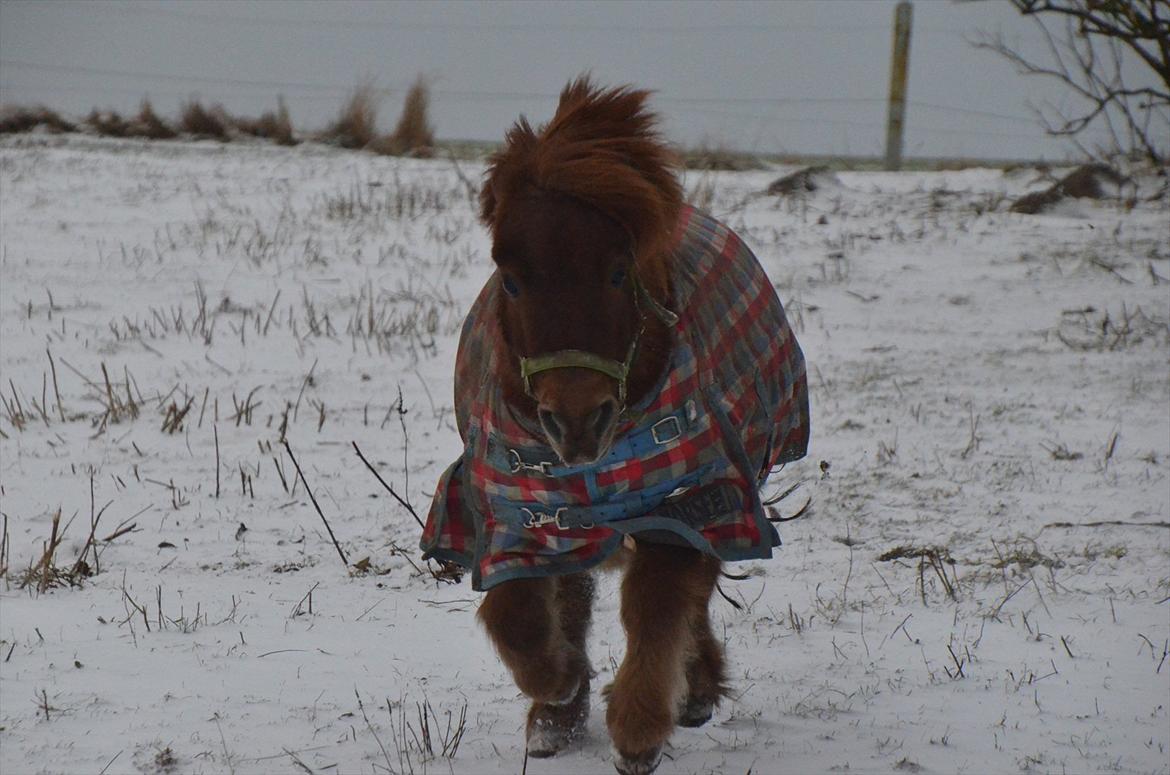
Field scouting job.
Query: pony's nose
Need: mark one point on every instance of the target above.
(603, 417)
(552, 425)
(579, 437)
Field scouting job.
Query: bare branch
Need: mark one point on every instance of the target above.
(1087, 57)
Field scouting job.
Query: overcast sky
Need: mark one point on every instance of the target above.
(782, 76)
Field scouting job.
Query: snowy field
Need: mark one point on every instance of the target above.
(980, 586)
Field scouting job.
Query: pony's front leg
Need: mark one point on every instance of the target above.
(664, 597)
(524, 619)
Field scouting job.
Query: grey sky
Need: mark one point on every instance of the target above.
(780, 76)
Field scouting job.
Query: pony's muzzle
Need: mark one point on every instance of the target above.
(580, 434)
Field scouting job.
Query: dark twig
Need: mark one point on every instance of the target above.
(57, 390)
(301, 474)
(389, 489)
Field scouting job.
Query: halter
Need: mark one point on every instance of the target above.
(583, 359)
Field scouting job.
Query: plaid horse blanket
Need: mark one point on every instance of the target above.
(687, 463)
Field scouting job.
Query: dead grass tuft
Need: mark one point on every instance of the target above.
(1090, 330)
(107, 123)
(15, 119)
(803, 180)
(356, 124)
(716, 157)
(203, 122)
(1085, 182)
(44, 573)
(936, 558)
(148, 124)
(274, 126)
(164, 760)
(413, 135)
(1024, 557)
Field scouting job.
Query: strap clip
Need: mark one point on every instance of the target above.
(517, 464)
(537, 518)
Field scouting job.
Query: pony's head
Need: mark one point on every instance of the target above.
(582, 214)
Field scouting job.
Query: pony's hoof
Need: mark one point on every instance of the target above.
(553, 726)
(546, 739)
(695, 712)
(639, 764)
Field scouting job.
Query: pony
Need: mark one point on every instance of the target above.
(625, 382)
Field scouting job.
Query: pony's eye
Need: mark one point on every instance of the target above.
(618, 277)
(510, 286)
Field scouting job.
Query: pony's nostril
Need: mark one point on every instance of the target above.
(603, 417)
(551, 425)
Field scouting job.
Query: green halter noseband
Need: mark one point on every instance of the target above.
(582, 359)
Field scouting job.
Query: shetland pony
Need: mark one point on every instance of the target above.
(624, 383)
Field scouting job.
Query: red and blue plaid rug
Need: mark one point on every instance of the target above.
(687, 464)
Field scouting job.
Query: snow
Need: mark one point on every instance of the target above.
(969, 396)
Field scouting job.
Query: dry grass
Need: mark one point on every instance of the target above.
(715, 157)
(148, 124)
(211, 122)
(108, 123)
(1085, 182)
(14, 119)
(413, 135)
(274, 126)
(44, 573)
(804, 180)
(356, 124)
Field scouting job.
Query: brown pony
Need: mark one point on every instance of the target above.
(591, 197)
(585, 216)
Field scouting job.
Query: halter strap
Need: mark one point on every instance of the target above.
(583, 359)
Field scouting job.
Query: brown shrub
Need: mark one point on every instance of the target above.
(204, 122)
(15, 119)
(413, 135)
(276, 127)
(1082, 183)
(108, 123)
(148, 124)
(356, 124)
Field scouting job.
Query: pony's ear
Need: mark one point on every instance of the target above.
(487, 203)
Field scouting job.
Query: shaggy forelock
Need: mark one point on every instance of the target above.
(602, 147)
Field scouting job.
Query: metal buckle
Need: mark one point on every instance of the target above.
(539, 519)
(516, 464)
(660, 429)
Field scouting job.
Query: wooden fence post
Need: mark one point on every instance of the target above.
(899, 66)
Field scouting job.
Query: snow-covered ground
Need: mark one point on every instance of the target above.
(991, 403)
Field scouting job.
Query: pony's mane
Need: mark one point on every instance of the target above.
(601, 148)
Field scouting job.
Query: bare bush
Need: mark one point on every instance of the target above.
(413, 135)
(14, 119)
(356, 124)
(204, 122)
(1089, 44)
